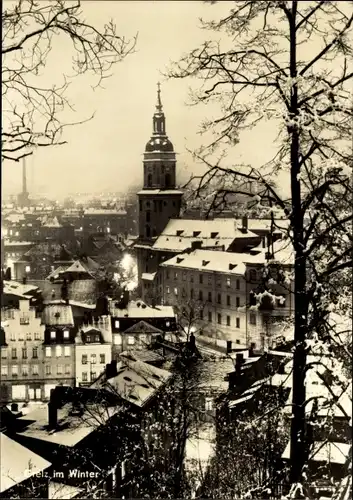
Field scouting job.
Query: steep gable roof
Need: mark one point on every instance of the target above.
(143, 327)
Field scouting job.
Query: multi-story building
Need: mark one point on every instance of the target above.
(93, 346)
(22, 372)
(224, 289)
(135, 324)
(59, 346)
(104, 220)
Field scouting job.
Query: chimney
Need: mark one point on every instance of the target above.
(239, 361)
(244, 224)
(52, 413)
(111, 369)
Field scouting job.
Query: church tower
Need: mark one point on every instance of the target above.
(159, 199)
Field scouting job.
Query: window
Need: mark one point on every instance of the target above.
(201, 314)
(148, 216)
(228, 282)
(168, 289)
(131, 340)
(237, 301)
(66, 334)
(53, 334)
(102, 359)
(228, 320)
(175, 275)
(24, 353)
(209, 297)
(93, 359)
(219, 283)
(252, 319)
(175, 291)
(28, 336)
(24, 369)
(28, 269)
(88, 338)
(210, 316)
(252, 275)
(84, 376)
(67, 351)
(228, 300)
(3, 353)
(208, 404)
(67, 369)
(59, 369)
(48, 370)
(184, 276)
(35, 352)
(35, 369)
(48, 352)
(237, 284)
(3, 370)
(167, 274)
(20, 336)
(219, 298)
(192, 278)
(200, 295)
(219, 319)
(210, 279)
(84, 359)
(58, 351)
(200, 279)
(183, 293)
(36, 336)
(117, 339)
(14, 353)
(15, 370)
(13, 336)
(237, 322)
(117, 323)
(252, 299)
(93, 376)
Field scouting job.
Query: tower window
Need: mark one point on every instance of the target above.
(148, 216)
(149, 180)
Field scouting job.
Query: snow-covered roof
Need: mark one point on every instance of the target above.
(322, 451)
(16, 288)
(148, 276)
(57, 315)
(283, 253)
(160, 191)
(136, 382)
(98, 211)
(135, 311)
(212, 261)
(180, 233)
(17, 463)
(62, 491)
(71, 429)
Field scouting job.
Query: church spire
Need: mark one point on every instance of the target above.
(159, 107)
(158, 117)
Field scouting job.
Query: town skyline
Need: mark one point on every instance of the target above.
(123, 107)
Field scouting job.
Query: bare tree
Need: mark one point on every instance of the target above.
(32, 111)
(288, 62)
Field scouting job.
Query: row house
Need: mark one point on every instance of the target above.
(221, 288)
(104, 221)
(22, 374)
(59, 346)
(93, 345)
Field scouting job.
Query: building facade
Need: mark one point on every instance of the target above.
(22, 361)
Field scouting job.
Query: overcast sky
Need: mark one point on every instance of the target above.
(106, 153)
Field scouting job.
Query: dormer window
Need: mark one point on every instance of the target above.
(196, 233)
(117, 323)
(88, 338)
(66, 334)
(179, 232)
(214, 235)
(53, 334)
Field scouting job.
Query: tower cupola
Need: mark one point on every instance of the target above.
(159, 140)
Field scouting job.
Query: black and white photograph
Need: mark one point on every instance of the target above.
(176, 249)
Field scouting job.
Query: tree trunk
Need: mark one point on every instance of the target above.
(297, 449)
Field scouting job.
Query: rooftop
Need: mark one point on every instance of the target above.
(138, 309)
(180, 233)
(17, 463)
(144, 328)
(71, 429)
(57, 315)
(16, 288)
(136, 381)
